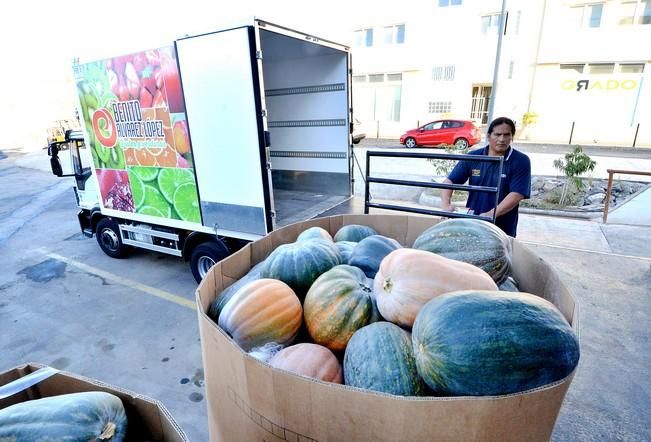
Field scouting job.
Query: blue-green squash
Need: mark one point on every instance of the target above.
(480, 343)
(354, 233)
(339, 303)
(345, 249)
(379, 357)
(315, 232)
(369, 253)
(474, 241)
(73, 417)
(298, 264)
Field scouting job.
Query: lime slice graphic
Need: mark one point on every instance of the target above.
(154, 199)
(170, 179)
(152, 211)
(137, 189)
(186, 202)
(147, 174)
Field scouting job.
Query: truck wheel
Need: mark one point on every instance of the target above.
(206, 255)
(109, 239)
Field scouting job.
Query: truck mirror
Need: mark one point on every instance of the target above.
(55, 164)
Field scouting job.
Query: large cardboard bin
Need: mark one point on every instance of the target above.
(148, 419)
(249, 400)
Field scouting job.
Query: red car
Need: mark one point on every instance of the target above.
(462, 133)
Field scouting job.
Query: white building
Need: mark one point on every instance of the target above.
(570, 69)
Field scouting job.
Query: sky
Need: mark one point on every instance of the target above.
(39, 40)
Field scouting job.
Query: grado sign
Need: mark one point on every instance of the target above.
(610, 84)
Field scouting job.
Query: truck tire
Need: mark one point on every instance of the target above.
(206, 255)
(109, 238)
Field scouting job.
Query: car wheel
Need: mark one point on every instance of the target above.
(109, 239)
(461, 143)
(410, 142)
(206, 255)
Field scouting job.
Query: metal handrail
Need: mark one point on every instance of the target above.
(611, 172)
(466, 187)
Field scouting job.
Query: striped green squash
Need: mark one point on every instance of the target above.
(379, 357)
(354, 233)
(74, 417)
(300, 263)
(315, 232)
(479, 343)
(338, 304)
(474, 241)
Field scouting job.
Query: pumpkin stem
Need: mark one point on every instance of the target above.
(108, 431)
(387, 285)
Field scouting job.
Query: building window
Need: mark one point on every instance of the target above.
(364, 37)
(439, 107)
(444, 3)
(638, 12)
(394, 77)
(511, 66)
(359, 78)
(578, 68)
(644, 17)
(627, 13)
(601, 68)
(518, 18)
(631, 68)
(376, 78)
(443, 73)
(394, 35)
(587, 16)
(490, 23)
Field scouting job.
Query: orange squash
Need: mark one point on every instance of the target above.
(262, 311)
(408, 278)
(313, 360)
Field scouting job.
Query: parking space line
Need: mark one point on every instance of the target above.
(124, 281)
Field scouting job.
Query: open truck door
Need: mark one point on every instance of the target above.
(223, 103)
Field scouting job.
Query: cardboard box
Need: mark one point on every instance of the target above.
(248, 400)
(148, 419)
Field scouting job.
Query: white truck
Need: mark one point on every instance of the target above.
(195, 148)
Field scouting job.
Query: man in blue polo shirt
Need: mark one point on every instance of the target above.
(515, 181)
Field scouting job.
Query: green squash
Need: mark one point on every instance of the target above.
(354, 233)
(480, 343)
(339, 303)
(345, 249)
(474, 241)
(369, 253)
(379, 357)
(299, 264)
(73, 417)
(314, 233)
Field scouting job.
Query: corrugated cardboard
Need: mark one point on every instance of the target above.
(148, 419)
(250, 401)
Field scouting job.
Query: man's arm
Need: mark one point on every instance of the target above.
(446, 197)
(509, 203)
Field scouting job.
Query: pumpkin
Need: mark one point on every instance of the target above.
(311, 360)
(86, 416)
(314, 233)
(225, 295)
(408, 278)
(369, 252)
(298, 264)
(354, 233)
(474, 241)
(477, 343)
(262, 311)
(345, 250)
(339, 303)
(379, 357)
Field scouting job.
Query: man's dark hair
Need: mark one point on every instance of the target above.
(502, 120)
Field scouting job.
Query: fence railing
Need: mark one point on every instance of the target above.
(428, 184)
(612, 172)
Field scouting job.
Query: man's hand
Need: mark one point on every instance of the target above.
(489, 213)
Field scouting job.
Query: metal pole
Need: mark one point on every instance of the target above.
(491, 104)
(571, 133)
(637, 129)
(377, 130)
(608, 190)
